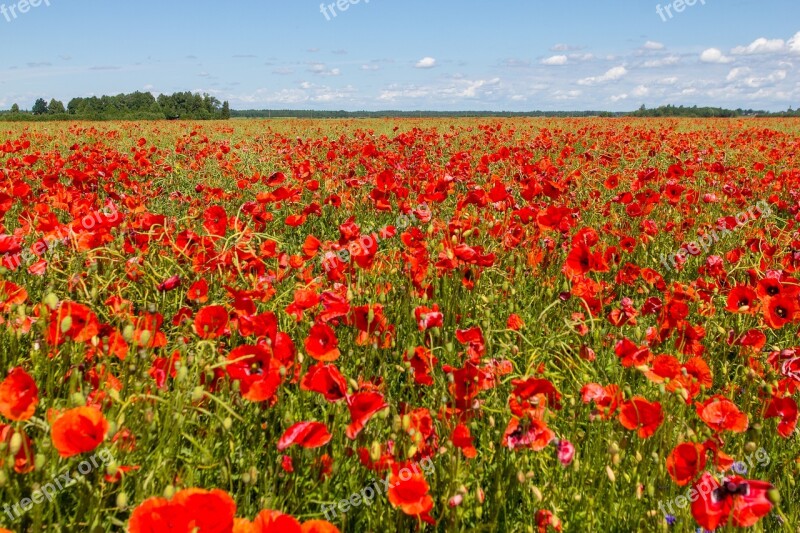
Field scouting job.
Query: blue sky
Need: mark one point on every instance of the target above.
(408, 54)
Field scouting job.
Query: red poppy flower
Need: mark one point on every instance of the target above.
(273, 522)
(422, 362)
(256, 370)
(169, 284)
(686, 461)
(24, 458)
(211, 322)
(11, 294)
(78, 430)
(326, 380)
(215, 221)
(641, 415)
(607, 399)
(316, 526)
(159, 514)
(72, 321)
(742, 299)
(363, 406)
(409, 492)
(786, 410)
(322, 343)
(306, 435)
(428, 318)
(780, 310)
(527, 433)
(18, 395)
(721, 414)
(198, 292)
(463, 440)
(210, 510)
(514, 322)
(631, 355)
(735, 500)
(532, 396)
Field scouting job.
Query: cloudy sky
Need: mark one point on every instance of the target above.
(408, 54)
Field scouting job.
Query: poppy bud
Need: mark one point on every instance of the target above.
(227, 423)
(169, 492)
(51, 301)
(15, 444)
(750, 447)
(39, 461)
(144, 337)
(66, 324)
(127, 333)
(610, 474)
(78, 399)
(774, 496)
(375, 451)
(197, 393)
(122, 500)
(3, 478)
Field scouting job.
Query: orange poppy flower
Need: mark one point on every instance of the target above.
(408, 491)
(210, 510)
(18, 395)
(78, 430)
(317, 526)
(275, 522)
(721, 414)
(157, 515)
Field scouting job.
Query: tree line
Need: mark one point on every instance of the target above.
(196, 106)
(134, 106)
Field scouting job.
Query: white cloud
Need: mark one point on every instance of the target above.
(618, 97)
(555, 60)
(794, 43)
(322, 70)
(612, 74)
(640, 91)
(663, 62)
(760, 46)
(370, 67)
(426, 62)
(652, 45)
(737, 72)
(714, 55)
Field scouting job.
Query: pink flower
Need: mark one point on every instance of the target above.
(566, 452)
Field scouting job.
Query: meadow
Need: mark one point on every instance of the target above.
(400, 325)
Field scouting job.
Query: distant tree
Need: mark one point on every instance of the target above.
(55, 107)
(226, 110)
(40, 107)
(15, 108)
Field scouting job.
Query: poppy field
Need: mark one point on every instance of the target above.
(400, 325)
